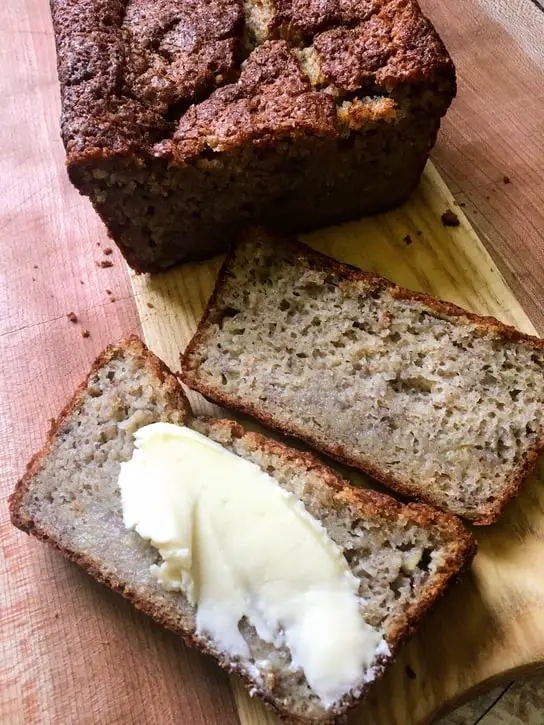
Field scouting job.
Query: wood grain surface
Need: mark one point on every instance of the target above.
(495, 130)
(71, 652)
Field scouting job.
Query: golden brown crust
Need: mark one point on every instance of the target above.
(183, 122)
(345, 273)
(129, 73)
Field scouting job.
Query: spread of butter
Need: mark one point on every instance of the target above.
(238, 545)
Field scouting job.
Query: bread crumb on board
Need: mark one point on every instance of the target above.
(85, 332)
(450, 219)
(104, 263)
(107, 250)
(150, 304)
(506, 179)
(72, 317)
(407, 240)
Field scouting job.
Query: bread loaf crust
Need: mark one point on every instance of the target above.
(185, 121)
(459, 546)
(307, 257)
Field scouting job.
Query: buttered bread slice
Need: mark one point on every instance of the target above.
(433, 401)
(254, 552)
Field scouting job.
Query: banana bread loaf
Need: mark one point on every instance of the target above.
(184, 121)
(433, 401)
(403, 556)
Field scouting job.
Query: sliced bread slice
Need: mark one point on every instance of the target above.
(434, 402)
(404, 556)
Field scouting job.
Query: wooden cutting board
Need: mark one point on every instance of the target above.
(492, 624)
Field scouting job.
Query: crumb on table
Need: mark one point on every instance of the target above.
(85, 332)
(72, 317)
(506, 179)
(150, 304)
(407, 240)
(104, 263)
(450, 219)
(107, 250)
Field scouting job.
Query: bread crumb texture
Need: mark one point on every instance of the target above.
(404, 556)
(438, 404)
(450, 219)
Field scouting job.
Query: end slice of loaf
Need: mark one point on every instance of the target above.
(69, 497)
(434, 402)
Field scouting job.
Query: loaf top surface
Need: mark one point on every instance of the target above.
(172, 79)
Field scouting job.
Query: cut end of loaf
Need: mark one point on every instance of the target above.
(439, 404)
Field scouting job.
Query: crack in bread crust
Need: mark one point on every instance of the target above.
(184, 122)
(125, 65)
